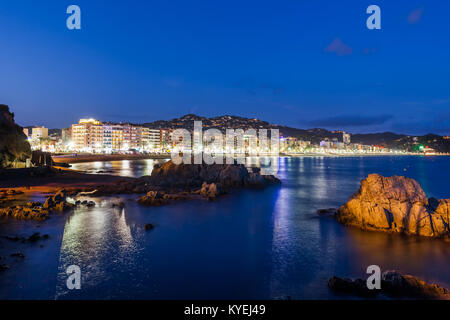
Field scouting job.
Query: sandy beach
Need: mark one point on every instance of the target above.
(28, 181)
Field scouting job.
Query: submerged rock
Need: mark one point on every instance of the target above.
(396, 204)
(153, 198)
(3, 267)
(327, 212)
(149, 226)
(189, 181)
(190, 176)
(393, 284)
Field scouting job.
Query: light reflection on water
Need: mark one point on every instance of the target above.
(251, 244)
(125, 168)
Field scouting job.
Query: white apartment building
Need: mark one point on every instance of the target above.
(91, 135)
(39, 132)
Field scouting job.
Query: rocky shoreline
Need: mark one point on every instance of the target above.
(393, 285)
(167, 183)
(395, 205)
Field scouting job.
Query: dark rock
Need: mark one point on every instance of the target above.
(120, 205)
(3, 267)
(149, 226)
(90, 204)
(35, 237)
(397, 285)
(327, 212)
(14, 147)
(18, 255)
(153, 198)
(190, 176)
(393, 284)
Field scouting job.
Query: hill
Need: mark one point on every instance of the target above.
(315, 135)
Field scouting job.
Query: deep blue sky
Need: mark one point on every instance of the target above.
(306, 64)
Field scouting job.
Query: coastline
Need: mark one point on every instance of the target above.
(351, 155)
(28, 181)
(82, 158)
(79, 158)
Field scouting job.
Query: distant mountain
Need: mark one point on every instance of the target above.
(386, 139)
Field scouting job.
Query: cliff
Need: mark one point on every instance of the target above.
(14, 147)
(396, 204)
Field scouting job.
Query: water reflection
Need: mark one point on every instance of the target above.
(125, 168)
(249, 244)
(93, 236)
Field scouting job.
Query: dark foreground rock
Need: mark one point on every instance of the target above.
(14, 147)
(327, 212)
(393, 284)
(35, 237)
(396, 204)
(170, 182)
(187, 176)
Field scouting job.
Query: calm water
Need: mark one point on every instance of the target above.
(250, 244)
(126, 168)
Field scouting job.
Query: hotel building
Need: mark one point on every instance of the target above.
(39, 132)
(91, 135)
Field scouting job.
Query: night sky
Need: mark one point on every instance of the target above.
(300, 63)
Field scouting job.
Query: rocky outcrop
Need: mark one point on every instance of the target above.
(159, 198)
(37, 210)
(14, 147)
(396, 204)
(193, 175)
(25, 212)
(210, 191)
(170, 182)
(393, 284)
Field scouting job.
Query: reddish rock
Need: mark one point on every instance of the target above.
(395, 204)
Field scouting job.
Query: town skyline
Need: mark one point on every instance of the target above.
(141, 122)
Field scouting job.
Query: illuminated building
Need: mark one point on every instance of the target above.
(346, 138)
(87, 135)
(91, 135)
(39, 133)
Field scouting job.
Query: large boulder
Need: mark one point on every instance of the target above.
(14, 147)
(188, 176)
(395, 204)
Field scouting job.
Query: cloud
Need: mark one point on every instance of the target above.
(351, 121)
(338, 47)
(415, 16)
